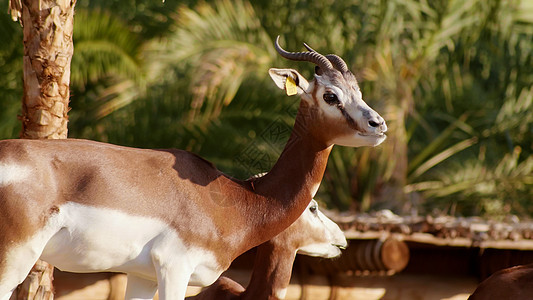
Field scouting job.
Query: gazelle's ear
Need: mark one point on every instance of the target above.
(289, 80)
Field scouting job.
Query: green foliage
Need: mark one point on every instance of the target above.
(481, 89)
(147, 18)
(453, 79)
(106, 72)
(224, 44)
(11, 79)
(104, 45)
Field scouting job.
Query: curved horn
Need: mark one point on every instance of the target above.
(336, 60)
(314, 57)
(309, 48)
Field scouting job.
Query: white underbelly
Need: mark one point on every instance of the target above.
(96, 239)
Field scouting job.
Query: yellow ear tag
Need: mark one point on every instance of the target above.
(290, 86)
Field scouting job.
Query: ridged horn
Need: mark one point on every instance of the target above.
(336, 60)
(314, 57)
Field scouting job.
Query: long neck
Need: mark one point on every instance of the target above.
(287, 189)
(271, 274)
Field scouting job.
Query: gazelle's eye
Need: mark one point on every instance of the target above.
(331, 98)
(313, 209)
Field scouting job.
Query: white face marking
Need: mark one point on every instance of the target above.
(10, 173)
(357, 109)
(323, 235)
(359, 140)
(325, 85)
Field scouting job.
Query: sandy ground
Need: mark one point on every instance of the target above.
(398, 287)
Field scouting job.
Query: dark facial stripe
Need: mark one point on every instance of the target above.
(351, 122)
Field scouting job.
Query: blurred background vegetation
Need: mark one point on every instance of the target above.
(453, 79)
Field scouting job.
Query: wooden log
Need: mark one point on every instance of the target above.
(394, 254)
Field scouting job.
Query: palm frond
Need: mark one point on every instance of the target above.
(476, 183)
(107, 71)
(104, 46)
(223, 44)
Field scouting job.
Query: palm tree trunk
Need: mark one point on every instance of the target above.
(48, 48)
(38, 284)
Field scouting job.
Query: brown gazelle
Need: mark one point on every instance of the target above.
(311, 234)
(514, 283)
(156, 215)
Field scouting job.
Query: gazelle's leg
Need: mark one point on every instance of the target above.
(172, 281)
(139, 288)
(8, 295)
(172, 266)
(15, 266)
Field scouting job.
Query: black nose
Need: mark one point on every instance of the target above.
(373, 123)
